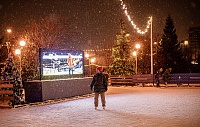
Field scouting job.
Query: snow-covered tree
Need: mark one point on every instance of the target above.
(47, 32)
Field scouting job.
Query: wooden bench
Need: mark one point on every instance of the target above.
(6, 94)
(121, 80)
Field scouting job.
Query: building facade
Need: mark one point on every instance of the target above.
(194, 44)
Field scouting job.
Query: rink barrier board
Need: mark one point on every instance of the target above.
(39, 91)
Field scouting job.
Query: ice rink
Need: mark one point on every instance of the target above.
(126, 107)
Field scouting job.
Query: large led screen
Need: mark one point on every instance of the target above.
(61, 62)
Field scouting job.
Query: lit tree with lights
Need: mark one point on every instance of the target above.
(170, 54)
(11, 74)
(122, 61)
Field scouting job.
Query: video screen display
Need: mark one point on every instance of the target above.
(61, 62)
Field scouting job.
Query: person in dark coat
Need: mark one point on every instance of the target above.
(166, 76)
(99, 84)
(158, 76)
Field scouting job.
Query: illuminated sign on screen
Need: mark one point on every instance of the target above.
(61, 62)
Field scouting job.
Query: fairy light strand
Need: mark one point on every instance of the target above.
(97, 50)
(132, 23)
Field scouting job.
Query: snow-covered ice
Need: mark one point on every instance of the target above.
(126, 107)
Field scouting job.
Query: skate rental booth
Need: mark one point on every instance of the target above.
(61, 76)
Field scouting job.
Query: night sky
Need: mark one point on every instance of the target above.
(97, 21)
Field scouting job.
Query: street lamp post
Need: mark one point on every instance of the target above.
(135, 54)
(8, 41)
(91, 61)
(137, 46)
(151, 45)
(18, 51)
(185, 48)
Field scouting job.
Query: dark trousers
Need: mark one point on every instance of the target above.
(158, 82)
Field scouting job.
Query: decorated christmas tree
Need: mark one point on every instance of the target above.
(122, 61)
(10, 75)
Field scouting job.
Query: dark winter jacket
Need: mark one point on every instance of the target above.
(166, 75)
(99, 83)
(158, 75)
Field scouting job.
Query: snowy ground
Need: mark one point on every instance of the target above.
(126, 107)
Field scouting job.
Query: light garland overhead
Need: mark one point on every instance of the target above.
(96, 50)
(132, 23)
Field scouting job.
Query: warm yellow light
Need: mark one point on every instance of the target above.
(134, 53)
(22, 43)
(92, 60)
(185, 42)
(17, 51)
(132, 23)
(127, 35)
(137, 46)
(87, 55)
(9, 30)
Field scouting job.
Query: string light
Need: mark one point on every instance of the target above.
(97, 50)
(132, 23)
